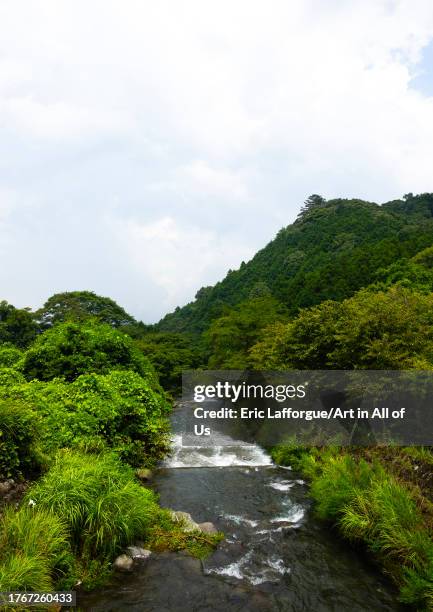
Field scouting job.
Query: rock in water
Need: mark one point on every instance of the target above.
(123, 563)
(184, 517)
(144, 474)
(136, 552)
(207, 527)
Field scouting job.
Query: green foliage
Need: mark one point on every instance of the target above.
(35, 550)
(330, 253)
(340, 481)
(19, 428)
(369, 506)
(424, 258)
(229, 337)
(166, 534)
(97, 498)
(313, 202)
(119, 410)
(170, 354)
(10, 377)
(10, 355)
(17, 326)
(390, 329)
(79, 306)
(70, 349)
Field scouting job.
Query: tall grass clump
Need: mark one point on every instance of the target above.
(340, 481)
(104, 509)
(370, 506)
(35, 551)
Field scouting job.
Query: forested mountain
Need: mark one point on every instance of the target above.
(333, 249)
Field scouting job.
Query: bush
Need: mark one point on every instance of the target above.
(96, 496)
(9, 355)
(35, 550)
(71, 349)
(19, 428)
(10, 377)
(119, 410)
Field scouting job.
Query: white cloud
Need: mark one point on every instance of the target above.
(175, 257)
(208, 122)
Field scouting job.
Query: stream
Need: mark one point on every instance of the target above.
(276, 556)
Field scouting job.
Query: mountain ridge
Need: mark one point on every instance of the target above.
(329, 252)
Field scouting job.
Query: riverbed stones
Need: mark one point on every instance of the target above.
(188, 523)
(138, 553)
(207, 527)
(123, 563)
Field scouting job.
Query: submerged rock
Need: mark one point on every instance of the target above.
(123, 563)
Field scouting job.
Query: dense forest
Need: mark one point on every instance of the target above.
(86, 390)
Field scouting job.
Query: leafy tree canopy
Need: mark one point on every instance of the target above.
(170, 354)
(390, 329)
(329, 253)
(70, 349)
(229, 337)
(17, 325)
(82, 305)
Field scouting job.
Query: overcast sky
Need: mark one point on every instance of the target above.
(148, 147)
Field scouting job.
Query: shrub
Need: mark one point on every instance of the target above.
(119, 410)
(10, 377)
(70, 349)
(19, 426)
(9, 355)
(104, 509)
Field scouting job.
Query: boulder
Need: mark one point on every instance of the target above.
(123, 563)
(207, 527)
(144, 474)
(5, 487)
(188, 524)
(139, 553)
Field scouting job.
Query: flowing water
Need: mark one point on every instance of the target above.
(276, 555)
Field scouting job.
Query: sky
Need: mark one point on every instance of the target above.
(148, 147)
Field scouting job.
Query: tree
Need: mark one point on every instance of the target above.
(82, 305)
(70, 349)
(230, 337)
(313, 202)
(17, 325)
(170, 354)
(374, 330)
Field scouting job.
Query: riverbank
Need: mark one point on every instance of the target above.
(276, 555)
(78, 517)
(83, 419)
(380, 499)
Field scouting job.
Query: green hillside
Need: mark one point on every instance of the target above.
(332, 250)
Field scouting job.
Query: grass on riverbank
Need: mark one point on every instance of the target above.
(370, 505)
(73, 522)
(35, 549)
